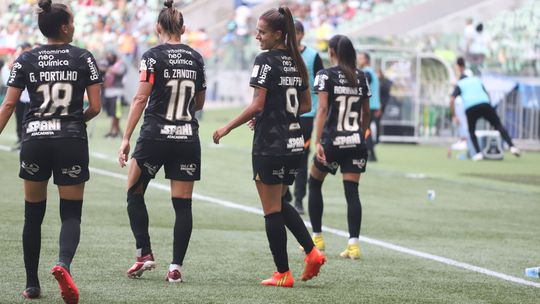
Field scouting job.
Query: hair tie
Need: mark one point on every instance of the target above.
(281, 10)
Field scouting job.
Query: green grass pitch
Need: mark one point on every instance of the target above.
(485, 214)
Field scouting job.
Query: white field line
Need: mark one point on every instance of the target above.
(342, 233)
(334, 231)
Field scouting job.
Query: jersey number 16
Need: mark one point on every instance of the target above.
(345, 114)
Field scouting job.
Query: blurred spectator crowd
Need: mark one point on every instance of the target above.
(124, 27)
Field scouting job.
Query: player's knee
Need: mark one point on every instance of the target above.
(70, 209)
(139, 187)
(181, 203)
(351, 191)
(134, 198)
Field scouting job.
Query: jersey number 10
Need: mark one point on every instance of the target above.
(180, 100)
(54, 96)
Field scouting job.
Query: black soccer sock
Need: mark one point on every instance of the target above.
(277, 238)
(296, 225)
(182, 228)
(300, 180)
(138, 219)
(354, 208)
(315, 204)
(70, 232)
(31, 238)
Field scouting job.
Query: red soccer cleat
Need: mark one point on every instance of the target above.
(143, 264)
(68, 289)
(175, 274)
(279, 279)
(314, 260)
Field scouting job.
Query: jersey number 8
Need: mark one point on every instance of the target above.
(55, 96)
(180, 99)
(345, 114)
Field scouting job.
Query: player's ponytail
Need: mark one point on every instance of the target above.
(45, 5)
(346, 56)
(292, 44)
(170, 19)
(51, 17)
(281, 20)
(168, 3)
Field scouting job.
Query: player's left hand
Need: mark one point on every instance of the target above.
(319, 153)
(251, 123)
(123, 153)
(219, 133)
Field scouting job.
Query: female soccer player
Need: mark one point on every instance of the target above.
(172, 75)
(54, 138)
(342, 116)
(281, 94)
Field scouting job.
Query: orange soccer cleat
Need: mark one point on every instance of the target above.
(314, 260)
(279, 279)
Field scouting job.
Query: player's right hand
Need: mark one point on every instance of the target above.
(123, 153)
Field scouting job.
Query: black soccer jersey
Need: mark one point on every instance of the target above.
(56, 77)
(277, 130)
(342, 127)
(177, 74)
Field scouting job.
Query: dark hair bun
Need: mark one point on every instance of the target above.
(168, 3)
(45, 5)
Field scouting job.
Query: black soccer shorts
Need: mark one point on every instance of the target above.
(350, 160)
(275, 170)
(182, 161)
(65, 158)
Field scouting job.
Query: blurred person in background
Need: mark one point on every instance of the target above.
(314, 64)
(114, 72)
(477, 105)
(242, 19)
(468, 35)
(479, 48)
(364, 62)
(22, 104)
(385, 86)
(3, 88)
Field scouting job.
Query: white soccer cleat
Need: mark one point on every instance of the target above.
(478, 156)
(460, 145)
(515, 151)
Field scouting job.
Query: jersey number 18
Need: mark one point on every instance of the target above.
(54, 96)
